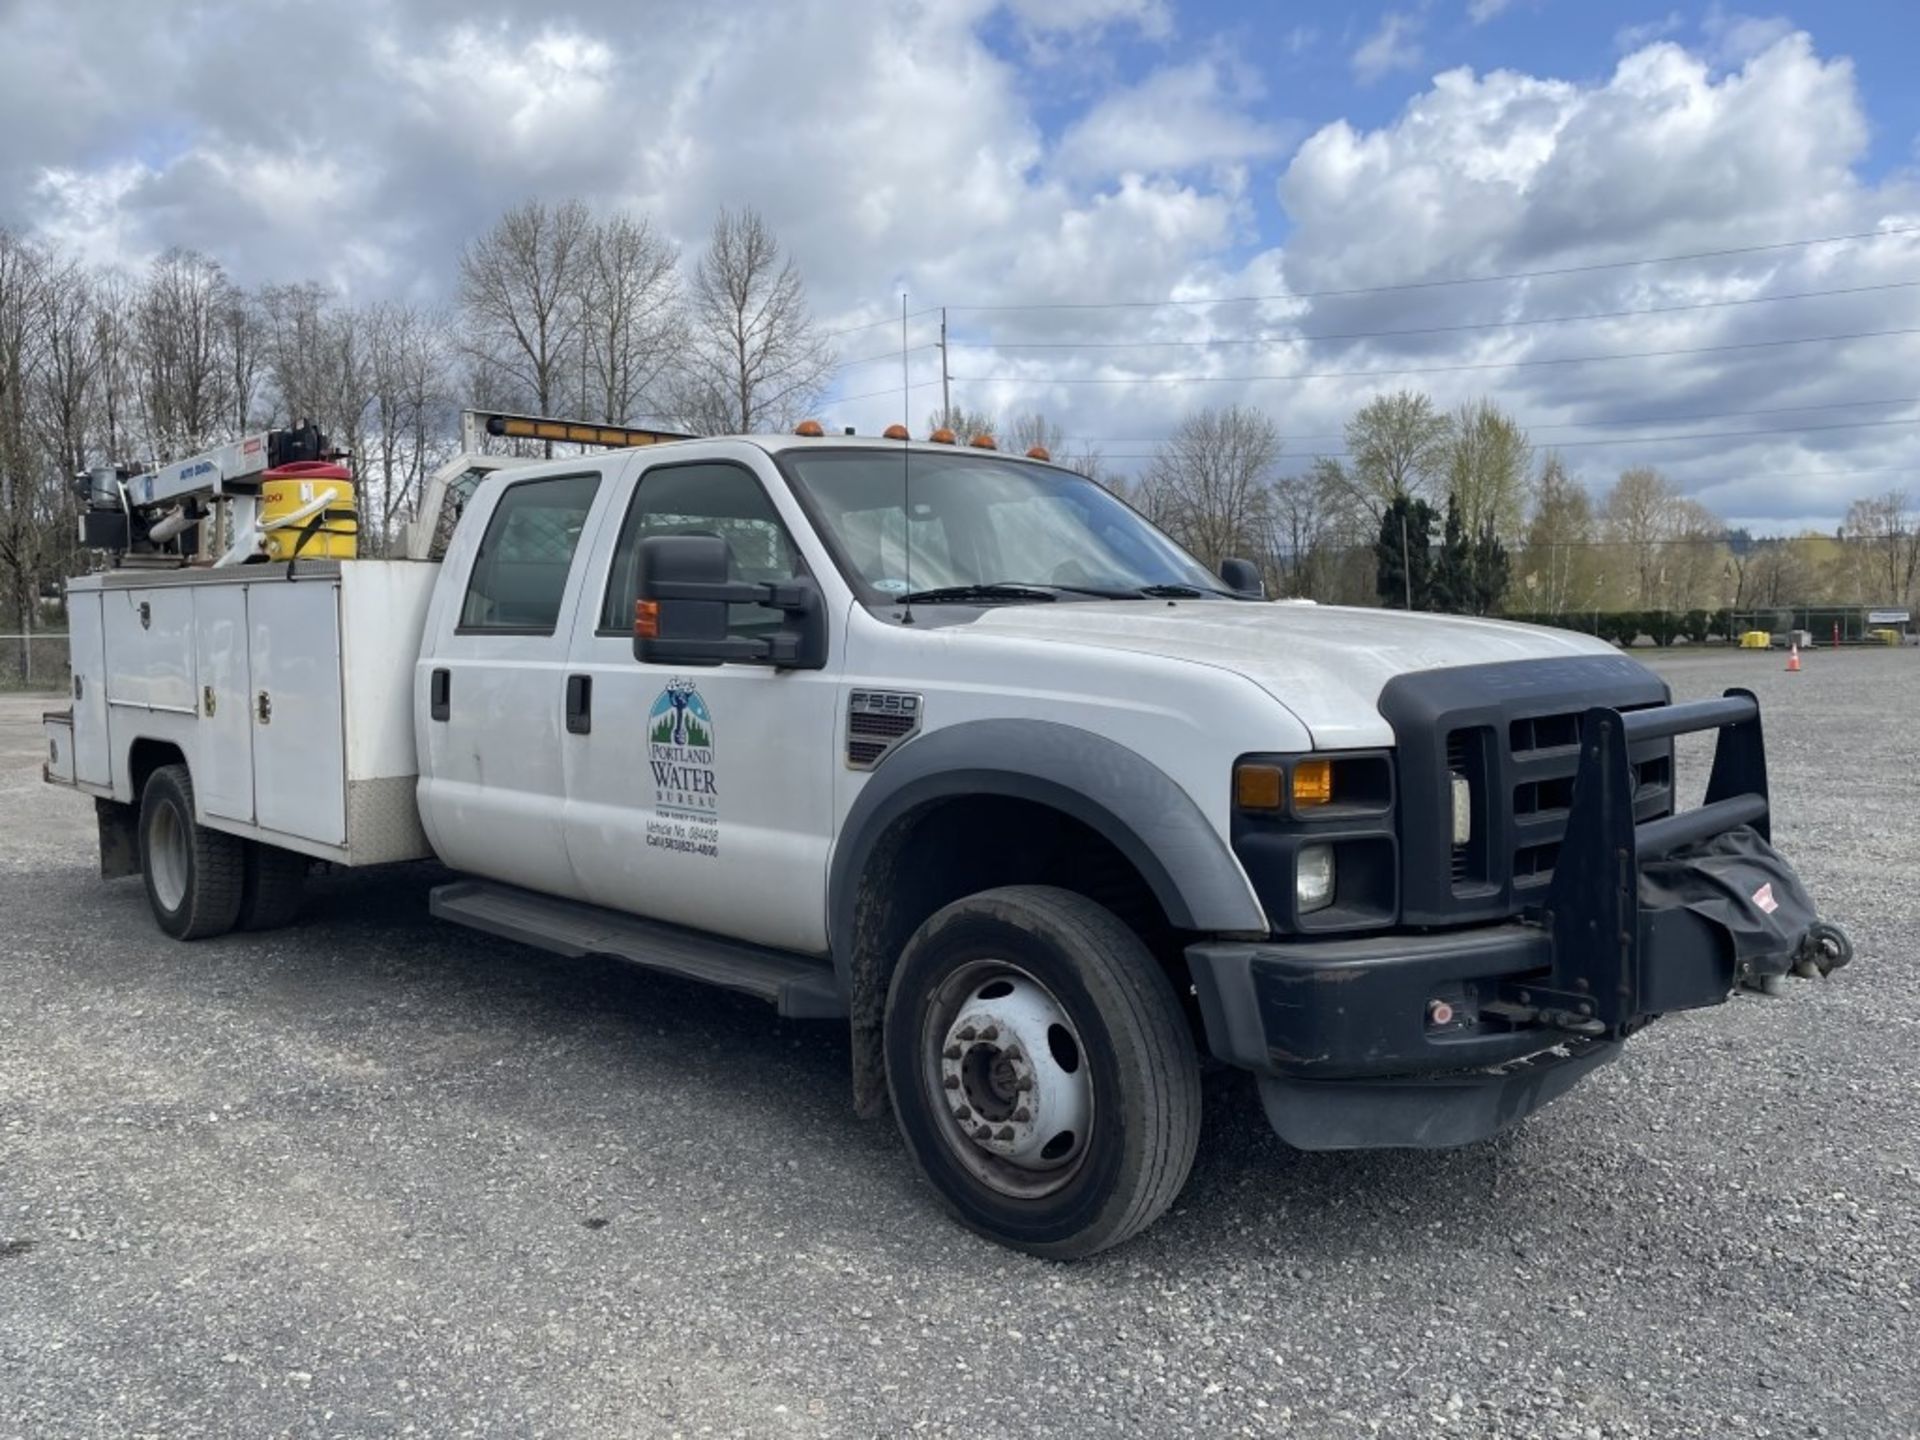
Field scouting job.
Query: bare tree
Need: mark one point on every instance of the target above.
(755, 359)
(964, 423)
(408, 375)
(632, 326)
(180, 357)
(1885, 528)
(1033, 429)
(1638, 512)
(520, 289)
(22, 287)
(1210, 485)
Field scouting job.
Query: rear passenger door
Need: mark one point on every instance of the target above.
(491, 688)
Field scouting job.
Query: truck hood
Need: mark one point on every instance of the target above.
(1325, 664)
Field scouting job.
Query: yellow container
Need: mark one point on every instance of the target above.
(1755, 640)
(316, 502)
(1886, 637)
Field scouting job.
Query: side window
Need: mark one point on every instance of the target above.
(521, 570)
(704, 499)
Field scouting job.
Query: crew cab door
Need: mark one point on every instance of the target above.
(490, 687)
(701, 795)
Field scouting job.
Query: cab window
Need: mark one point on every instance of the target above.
(520, 573)
(704, 498)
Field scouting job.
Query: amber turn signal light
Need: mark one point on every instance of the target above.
(1312, 784)
(646, 619)
(1259, 787)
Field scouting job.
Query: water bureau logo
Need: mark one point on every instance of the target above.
(686, 789)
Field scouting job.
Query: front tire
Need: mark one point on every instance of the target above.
(194, 875)
(1042, 1071)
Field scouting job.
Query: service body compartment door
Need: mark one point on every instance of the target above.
(149, 634)
(92, 755)
(299, 735)
(223, 772)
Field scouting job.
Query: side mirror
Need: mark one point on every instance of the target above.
(1243, 577)
(680, 610)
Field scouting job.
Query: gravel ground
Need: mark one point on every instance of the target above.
(375, 1176)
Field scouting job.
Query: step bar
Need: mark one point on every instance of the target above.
(801, 987)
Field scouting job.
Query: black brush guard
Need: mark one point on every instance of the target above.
(1619, 962)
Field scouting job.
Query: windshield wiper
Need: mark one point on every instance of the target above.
(1177, 592)
(987, 592)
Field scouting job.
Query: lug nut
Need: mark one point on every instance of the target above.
(1025, 1082)
(992, 1032)
(1023, 1115)
(1006, 1133)
(963, 1112)
(1012, 1052)
(953, 1082)
(969, 1033)
(984, 1132)
(952, 1052)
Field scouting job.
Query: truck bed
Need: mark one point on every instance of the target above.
(290, 699)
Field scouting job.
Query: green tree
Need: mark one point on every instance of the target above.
(1403, 555)
(1397, 445)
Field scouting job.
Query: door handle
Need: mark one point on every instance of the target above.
(579, 704)
(439, 694)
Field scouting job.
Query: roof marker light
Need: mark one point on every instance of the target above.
(895, 432)
(942, 436)
(983, 442)
(1039, 452)
(811, 429)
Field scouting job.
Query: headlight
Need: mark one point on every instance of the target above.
(1313, 878)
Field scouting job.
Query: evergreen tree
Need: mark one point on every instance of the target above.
(1403, 554)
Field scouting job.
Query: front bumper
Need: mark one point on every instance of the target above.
(1442, 1038)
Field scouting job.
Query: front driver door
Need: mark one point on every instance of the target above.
(701, 795)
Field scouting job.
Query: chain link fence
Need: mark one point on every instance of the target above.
(39, 661)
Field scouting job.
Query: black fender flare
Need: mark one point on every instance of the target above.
(1099, 782)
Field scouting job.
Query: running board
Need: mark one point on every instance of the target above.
(802, 988)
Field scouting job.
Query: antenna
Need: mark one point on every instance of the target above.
(906, 464)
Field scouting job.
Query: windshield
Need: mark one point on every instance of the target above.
(984, 522)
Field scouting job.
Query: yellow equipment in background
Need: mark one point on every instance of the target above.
(308, 510)
(1755, 640)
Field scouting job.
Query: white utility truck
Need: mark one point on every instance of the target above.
(957, 749)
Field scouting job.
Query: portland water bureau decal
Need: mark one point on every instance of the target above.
(686, 788)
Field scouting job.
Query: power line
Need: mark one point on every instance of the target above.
(1431, 369)
(1529, 425)
(893, 354)
(1458, 280)
(1646, 439)
(1428, 329)
(890, 320)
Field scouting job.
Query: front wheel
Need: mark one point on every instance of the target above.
(1042, 1070)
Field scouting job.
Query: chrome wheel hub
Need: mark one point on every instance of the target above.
(1010, 1079)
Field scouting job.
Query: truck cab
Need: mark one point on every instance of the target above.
(955, 748)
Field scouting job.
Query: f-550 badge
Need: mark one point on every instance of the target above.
(877, 722)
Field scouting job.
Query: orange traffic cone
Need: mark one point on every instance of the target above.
(1793, 658)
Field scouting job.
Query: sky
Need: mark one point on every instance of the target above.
(1128, 208)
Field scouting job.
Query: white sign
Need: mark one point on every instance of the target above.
(1887, 617)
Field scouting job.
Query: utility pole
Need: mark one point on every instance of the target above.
(1406, 559)
(946, 398)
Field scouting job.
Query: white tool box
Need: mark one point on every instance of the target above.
(290, 699)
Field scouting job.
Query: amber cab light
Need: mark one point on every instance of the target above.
(1312, 784)
(1039, 452)
(811, 429)
(895, 432)
(942, 436)
(646, 619)
(983, 442)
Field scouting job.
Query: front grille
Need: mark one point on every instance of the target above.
(1514, 731)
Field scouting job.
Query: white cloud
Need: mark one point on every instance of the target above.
(1481, 11)
(1734, 38)
(1176, 118)
(1632, 37)
(1394, 45)
(1153, 18)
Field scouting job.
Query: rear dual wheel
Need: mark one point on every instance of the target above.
(203, 882)
(1042, 1070)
